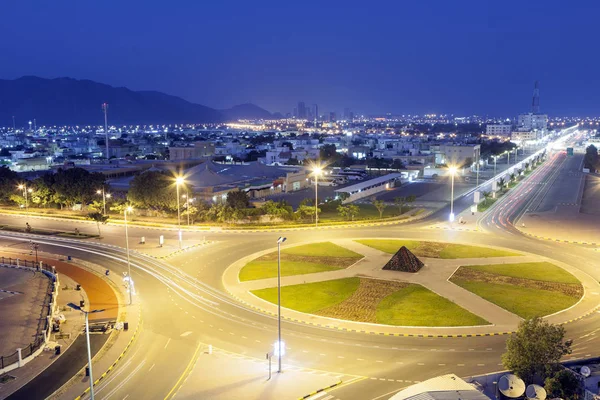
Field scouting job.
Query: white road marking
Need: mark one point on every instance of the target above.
(150, 367)
(168, 341)
(184, 334)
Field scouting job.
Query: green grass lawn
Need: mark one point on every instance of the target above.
(306, 259)
(311, 297)
(390, 246)
(323, 249)
(524, 302)
(418, 306)
(486, 204)
(449, 250)
(465, 251)
(539, 271)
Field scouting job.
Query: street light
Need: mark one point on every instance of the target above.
(130, 284)
(452, 171)
(495, 158)
(317, 170)
(278, 349)
(187, 205)
(179, 181)
(87, 336)
(23, 187)
(104, 197)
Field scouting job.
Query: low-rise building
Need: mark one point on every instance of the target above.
(197, 150)
(499, 130)
(459, 154)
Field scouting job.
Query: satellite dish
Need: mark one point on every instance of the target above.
(585, 371)
(535, 392)
(511, 386)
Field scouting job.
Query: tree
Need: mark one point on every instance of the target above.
(155, 190)
(74, 185)
(527, 166)
(277, 209)
(512, 177)
(99, 218)
(9, 180)
(501, 183)
(535, 349)
(519, 171)
(353, 211)
(238, 199)
(306, 211)
(590, 160)
(328, 152)
(380, 206)
(343, 211)
(192, 211)
(399, 201)
(564, 385)
(486, 196)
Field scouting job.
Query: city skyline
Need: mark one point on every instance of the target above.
(473, 59)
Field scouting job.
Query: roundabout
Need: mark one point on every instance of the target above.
(188, 306)
(459, 290)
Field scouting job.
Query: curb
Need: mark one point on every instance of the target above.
(177, 251)
(320, 390)
(97, 381)
(412, 335)
(455, 229)
(556, 240)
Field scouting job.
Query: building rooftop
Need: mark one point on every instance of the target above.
(445, 387)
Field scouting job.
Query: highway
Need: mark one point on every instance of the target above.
(185, 306)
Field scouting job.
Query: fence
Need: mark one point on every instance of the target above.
(16, 360)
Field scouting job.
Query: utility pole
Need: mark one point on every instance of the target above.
(105, 109)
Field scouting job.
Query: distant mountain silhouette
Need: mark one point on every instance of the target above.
(246, 111)
(67, 101)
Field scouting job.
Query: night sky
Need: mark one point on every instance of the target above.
(462, 57)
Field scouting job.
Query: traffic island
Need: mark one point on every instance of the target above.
(526, 289)
(364, 297)
(307, 259)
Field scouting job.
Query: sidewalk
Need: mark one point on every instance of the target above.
(433, 276)
(247, 378)
(70, 330)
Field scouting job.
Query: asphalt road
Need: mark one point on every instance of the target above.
(185, 307)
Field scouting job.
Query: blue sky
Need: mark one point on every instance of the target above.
(462, 57)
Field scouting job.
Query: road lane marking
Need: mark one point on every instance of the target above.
(151, 367)
(185, 373)
(184, 334)
(168, 341)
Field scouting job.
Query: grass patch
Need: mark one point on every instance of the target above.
(486, 204)
(524, 302)
(416, 305)
(539, 271)
(300, 260)
(466, 251)
(435, 249)
(77, 236)
(324, 249)
(390, 246)
(311, 297)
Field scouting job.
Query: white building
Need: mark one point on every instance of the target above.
(459, 154)
(499, 130)
(530, 122)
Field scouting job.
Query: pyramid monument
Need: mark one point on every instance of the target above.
(404, 261)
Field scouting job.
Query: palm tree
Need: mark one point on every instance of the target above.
(513, 177)
(501, 182)
(519, 172)
(486, 196)
(526, 166)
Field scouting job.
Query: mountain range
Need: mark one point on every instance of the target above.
(67, 101)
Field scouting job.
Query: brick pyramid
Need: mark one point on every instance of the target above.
(404, 261)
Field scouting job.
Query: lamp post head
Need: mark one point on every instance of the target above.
(452, 169)
(179, 180)
(20, 186)
(129, 209)
(108, 195)
(99, 191)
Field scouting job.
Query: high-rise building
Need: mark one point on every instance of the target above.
(332, 116)
(301, 110)
(316, 112)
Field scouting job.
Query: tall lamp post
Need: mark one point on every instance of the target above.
(23, 187)
(128, 210)
(87, 336)
(186, 196)
(279, 344)
(104, 197)
(452, 171)
(495, 159)
(179, 181)
(316, 172)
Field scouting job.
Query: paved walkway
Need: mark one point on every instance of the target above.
(434, 276)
